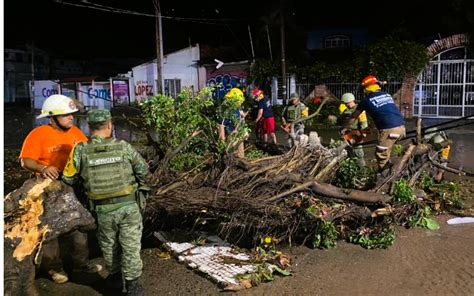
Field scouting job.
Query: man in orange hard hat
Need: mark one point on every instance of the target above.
(387, 118)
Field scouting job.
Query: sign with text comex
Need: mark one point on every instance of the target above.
(95, 95)
(42, 89)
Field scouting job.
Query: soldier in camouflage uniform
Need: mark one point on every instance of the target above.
(112, 172)
(294, 111)
(347, 108)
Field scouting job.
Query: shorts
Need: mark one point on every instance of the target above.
(268, 126)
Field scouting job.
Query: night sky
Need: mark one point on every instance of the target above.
(79, 32)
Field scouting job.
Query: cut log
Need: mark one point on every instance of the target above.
(397, 168)
(39, 211)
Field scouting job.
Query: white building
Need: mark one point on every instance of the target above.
(179, 69)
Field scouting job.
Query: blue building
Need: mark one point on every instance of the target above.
(337, 38)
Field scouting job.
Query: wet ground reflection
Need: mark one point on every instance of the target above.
(18, 124)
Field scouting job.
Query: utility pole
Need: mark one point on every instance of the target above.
(159, 47)
(251, 44)
(32, 87)
(283, 63)
(269, 44)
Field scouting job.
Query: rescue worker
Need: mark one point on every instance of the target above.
(440, 142)
(235, 119)
(45, 152)
(112, 172)
(291, 113)
(387, 118)
(265, 115)
(353, 133)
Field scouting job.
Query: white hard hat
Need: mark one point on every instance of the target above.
(347, 98)
(57, 105)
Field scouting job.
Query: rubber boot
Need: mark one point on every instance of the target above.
(134, 288)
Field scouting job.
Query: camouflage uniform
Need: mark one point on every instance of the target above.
(118, 214)
(292, 113)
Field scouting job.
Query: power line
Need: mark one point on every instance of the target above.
(100, 7)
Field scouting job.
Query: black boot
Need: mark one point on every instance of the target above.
(134, 288)
(114, 281)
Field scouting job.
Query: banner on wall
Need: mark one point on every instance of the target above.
(121, 92)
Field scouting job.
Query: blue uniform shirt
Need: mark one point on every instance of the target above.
(381, 107)
(265, 105)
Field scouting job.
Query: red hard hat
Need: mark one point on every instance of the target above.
(256, 92)
(369, 80)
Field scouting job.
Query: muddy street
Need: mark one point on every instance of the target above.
(421, 262)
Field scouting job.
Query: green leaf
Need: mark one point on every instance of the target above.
(281, 271)
(430, 223)
(245, 276)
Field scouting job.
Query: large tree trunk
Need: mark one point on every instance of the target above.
(39, 211)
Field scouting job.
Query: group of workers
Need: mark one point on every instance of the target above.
(113, 174)
(379, 105)
(265, 118)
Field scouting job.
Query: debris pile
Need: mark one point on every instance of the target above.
(295, 197)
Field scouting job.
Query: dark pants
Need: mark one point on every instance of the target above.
(73, 244)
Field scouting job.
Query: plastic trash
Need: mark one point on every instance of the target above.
(460, 220)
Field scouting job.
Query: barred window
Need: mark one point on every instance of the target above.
(337, 41)
(172, 87)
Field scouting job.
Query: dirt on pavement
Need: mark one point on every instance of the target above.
(420, 262)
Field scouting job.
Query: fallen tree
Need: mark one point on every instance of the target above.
(289, 196)
(39, 211)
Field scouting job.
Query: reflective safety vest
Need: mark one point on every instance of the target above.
(294, 113)
(106, 171)
(360, 123)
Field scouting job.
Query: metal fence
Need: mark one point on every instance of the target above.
(445, 89)
(304, 88)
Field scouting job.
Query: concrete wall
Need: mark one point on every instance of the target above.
(180, 65)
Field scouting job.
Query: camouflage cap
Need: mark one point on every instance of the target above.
(98, 116)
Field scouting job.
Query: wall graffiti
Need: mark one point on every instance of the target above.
(224, 82)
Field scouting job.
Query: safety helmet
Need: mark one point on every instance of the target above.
(294, 96)
(347, 98)
(434, 136)
(369, 80)
(256, 92)
(57, 105)
(236, 96)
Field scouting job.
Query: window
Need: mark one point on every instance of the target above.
(453, 54)
(337, 41)
(172, 87)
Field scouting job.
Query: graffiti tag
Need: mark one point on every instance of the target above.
(223, 83)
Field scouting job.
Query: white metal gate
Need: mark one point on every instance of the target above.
(445, 89)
